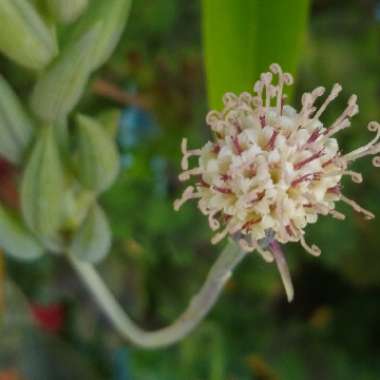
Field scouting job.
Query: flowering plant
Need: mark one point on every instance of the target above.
(270, 171)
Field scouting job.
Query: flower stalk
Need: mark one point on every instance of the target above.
(198, 308)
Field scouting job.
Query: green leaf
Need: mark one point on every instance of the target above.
(242, 38)
(42, 186)
(98, 159)
(93, 239)
(16, 240)
(113, 14)
(16, 130)
(67, 11)
(59, 88)
(24, 37)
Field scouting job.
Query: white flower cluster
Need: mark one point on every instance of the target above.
(272, 169)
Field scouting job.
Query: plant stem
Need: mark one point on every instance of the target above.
(199, 306)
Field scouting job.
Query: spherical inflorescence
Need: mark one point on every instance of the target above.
(272, 169)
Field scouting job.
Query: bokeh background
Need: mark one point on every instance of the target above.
(151, 94)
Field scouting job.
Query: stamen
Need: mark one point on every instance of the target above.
(186, 175)
(230, 99)
(219, 236)
(203, 183)
(313, 250)
(187, 153)
(289, 230)
(334, 190)
(335, 129)
(237, 146)
(337, 88)
(367, 214)
(276, 69)
(351, 110)
(219, 128)
(314, 136)
(213, 223)
(376, 161)
(262, 121)
(366, 149)
(337, 215)
(307, 103)
(282, 104)
(315, 156)
(258, 197)
(248, 225)
(288, 79)
(187, 194)
(258, 88)
(257, 102)
(356, 177)
(306, 177)
(321, 208)
(267, 79)
(213, 117)
(317, 92)
(245, 98)
(308, 100)
(223, 190)
(293, 236)
(327, 163)
(272, 140)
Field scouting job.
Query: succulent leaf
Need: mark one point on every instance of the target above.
(98, 159)
(16, 129)
(113, 14)
(60, 87)
(16, 240)
(93, 239)
(67, 11)
(42, 186)
(24, 37)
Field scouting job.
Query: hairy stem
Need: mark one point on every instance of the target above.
(199, 306)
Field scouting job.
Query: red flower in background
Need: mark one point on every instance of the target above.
(49, 317)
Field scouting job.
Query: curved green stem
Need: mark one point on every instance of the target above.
(199, 306)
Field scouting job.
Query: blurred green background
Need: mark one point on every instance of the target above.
(52, 330)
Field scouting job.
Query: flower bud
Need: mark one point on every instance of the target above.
(42, 186)
(15, 127)
(98, 159)
(24, 37)
(16, 240)
(93, 239)
(59, 88)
